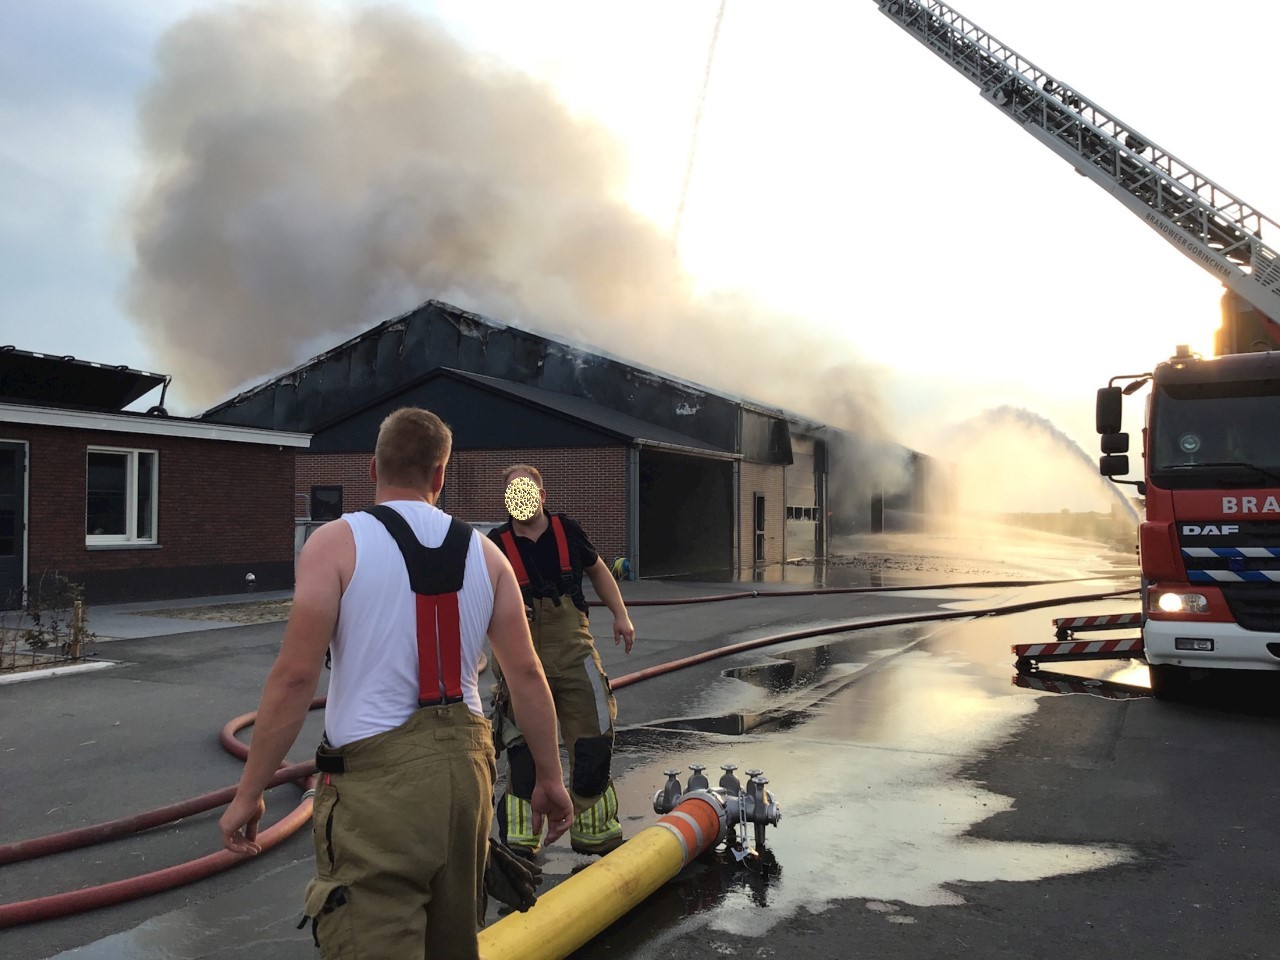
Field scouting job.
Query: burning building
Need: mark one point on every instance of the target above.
(673, 476)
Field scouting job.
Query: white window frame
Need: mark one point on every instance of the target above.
(130, 536)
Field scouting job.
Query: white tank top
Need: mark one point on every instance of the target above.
(373, 684)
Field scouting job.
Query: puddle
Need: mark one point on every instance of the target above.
(796, 668)
(767, 689)
(874, 807)
(1045, 681)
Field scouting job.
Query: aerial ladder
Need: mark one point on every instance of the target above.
(1206, 223)
(1209, 225)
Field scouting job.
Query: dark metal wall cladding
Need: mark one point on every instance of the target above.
(480, 420)
(686, 514)
(765, 439)
(381, 363)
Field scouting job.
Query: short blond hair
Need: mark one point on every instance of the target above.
(522, 468)
(412, 443)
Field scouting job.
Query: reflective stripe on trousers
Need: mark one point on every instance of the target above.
(598, 824)
(519, 823)
(586, 710)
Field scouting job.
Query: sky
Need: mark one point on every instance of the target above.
(844, 177)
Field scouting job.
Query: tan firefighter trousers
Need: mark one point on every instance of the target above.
(586, 711)
(401, 837)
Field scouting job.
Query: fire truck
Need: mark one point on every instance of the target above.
(1209, 545)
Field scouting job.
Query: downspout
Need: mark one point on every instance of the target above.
(737, 498)
(633, 509)
(820, 471)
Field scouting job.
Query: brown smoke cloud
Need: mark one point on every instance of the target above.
(311, 173)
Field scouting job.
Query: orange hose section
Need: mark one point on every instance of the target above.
(697, 838)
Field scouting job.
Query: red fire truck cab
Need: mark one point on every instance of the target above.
(1209, 546)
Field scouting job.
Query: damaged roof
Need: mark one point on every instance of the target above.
(398, 353)
(42, 379)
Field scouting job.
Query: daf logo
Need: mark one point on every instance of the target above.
(1209, 529)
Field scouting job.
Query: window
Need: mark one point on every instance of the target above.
(802, 513)
(120, 503)
(326, 503)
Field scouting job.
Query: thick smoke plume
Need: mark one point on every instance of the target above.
(311, 173)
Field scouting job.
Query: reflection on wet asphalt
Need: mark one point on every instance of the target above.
(867, 768)
(864, 737)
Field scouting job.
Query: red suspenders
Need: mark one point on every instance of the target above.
(435, 576)
(562, 546)
(439, 649)
(513, 552)
(513, 555)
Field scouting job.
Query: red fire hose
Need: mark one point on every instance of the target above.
(120, 891)
(822, 591)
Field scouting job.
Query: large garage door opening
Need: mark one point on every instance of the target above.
(686, 514)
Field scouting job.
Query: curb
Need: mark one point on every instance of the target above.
(58, 671)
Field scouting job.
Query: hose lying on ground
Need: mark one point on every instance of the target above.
(63, 904)
(823, 591)
(158, 881)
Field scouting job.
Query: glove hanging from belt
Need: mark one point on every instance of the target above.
(498, 722)
(511, 879)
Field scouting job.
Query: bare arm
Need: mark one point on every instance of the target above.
(530, 696)
(607, 590)
(291, 685)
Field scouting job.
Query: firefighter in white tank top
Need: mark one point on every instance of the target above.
(404, 596)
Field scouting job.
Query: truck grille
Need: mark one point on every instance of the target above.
(1254, 606)
(1243, 559)
(1241, 552)
(1232, 566)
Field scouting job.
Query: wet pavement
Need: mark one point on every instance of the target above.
(931, 806)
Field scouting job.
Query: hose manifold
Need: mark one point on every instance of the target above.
(744, 810)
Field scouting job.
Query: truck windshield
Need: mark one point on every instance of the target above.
(1209, 434)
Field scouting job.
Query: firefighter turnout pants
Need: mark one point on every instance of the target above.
(586, 711)
(401, 837)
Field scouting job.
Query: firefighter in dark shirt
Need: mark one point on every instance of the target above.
(550, 553)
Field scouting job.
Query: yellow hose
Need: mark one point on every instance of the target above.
(574, 911)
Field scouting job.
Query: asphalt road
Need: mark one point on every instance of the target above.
(931, 808)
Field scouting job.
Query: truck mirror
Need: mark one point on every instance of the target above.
(1110, 402)
(1115, 443)
(1114, 465)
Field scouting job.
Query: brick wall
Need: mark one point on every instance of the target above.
(220, 504)
(769, 480)
(347, 470)
(587, 483)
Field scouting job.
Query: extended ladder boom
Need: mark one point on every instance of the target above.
(1211, 226)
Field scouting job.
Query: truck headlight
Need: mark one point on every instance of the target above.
(1180, 603)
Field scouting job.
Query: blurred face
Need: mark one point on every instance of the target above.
(523, 497)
